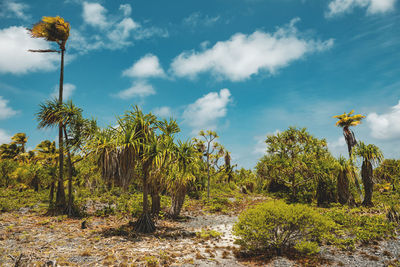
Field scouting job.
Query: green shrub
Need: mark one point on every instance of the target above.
(279, 226)
(358, 226)
(208, 234)
(218, 204)
(307, 248)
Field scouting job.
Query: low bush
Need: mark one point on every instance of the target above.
(275, 225)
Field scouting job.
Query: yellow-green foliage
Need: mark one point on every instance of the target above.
(307, 248)
(11, 199)
(277, 225)
(357, 226)
(208, 234)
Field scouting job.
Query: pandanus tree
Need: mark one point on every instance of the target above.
(181, 174)
(55, 29)
(371, 155)
(160, 168)
(345, 121)
(139, 148)
(69, 118)
(346, 174)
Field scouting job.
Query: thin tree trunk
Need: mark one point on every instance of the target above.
(70, 197)
(177, 203)
(51, 195)
(343, 188)
(145, 224)
(155, 204)
(60, 198)
(366, 174)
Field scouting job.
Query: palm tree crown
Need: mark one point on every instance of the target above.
(53, 29)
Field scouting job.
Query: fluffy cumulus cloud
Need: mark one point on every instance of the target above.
(243, 55)
(94, 14)
(4, 137)
(138, 89)
(111, 31)
(387, 125)
(13, 9)
(15, 57)
(5, 110)
(68, 90)
(163, 112)
(337, 7)
(147, 66)
(206, 111)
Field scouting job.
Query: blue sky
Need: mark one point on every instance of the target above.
(245, 68)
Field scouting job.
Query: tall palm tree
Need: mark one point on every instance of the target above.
(371, 155)
(55, 29)
(345, 121)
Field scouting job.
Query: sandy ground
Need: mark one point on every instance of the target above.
(38, 240)
(108, 242)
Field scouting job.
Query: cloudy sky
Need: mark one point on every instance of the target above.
(245, 68)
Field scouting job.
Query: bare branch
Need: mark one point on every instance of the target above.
(44, 51)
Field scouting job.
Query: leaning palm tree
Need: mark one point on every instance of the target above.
(345, 121)
(371, 155)
(55, 29)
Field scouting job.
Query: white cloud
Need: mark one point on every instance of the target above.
(5, 110)
(112, 31)
(5, 138)
(138, 89)
(205, 112)
(387, 125)
(337, 7)
(243, 55)
(163, 112)
(338, 147)
(11, 9)
(197, 18)
(94, 14)
(147, 66)
(126, 9)
(121, 33)
(68, 90)
(260, 147)
(14, 56)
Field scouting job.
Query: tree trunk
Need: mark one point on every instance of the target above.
(60, 197)
(366, 174)
(155, 204)
(69, 210)
(145, 224)
(343, 188)
(177, 201)
(325, 194)
(35, 183)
